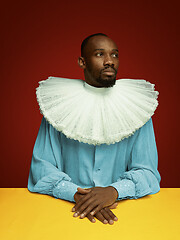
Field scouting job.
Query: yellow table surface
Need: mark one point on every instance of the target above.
(32, 216)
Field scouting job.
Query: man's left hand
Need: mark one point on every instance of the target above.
(94, 200)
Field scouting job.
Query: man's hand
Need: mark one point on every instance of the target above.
(105, 215)
(94, 200)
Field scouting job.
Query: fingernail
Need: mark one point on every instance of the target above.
(82, 215)
(93, 220)
(92, 213)
(111, 221)
(115, 219)
(75, 215)
(73, 209)
(105, 221)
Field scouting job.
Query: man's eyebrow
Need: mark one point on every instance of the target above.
(115, 50)
(104, 49)
(98, 49)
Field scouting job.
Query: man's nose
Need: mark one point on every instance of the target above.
(108, 60)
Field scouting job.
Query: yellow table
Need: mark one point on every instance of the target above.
(32, 216)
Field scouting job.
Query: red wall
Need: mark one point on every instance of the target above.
(42, 38)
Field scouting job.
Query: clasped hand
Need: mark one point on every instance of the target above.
(97, 202)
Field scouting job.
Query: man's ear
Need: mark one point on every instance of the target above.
(81, 62)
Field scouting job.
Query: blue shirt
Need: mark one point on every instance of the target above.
(60, 165)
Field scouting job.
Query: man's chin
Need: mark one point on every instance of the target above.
(108, 82)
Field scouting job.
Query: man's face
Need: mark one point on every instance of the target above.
(101, 61)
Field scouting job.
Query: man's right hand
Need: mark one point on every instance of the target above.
(105, 215)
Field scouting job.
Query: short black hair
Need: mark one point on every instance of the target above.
(84, 42)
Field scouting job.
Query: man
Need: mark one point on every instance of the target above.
(96, 141)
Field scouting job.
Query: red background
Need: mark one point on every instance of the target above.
(42, 38)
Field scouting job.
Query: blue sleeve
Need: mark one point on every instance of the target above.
(46, 175)
(142, 177)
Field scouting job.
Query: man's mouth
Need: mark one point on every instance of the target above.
(108, 71)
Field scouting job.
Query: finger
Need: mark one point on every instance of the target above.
(111, 214)
(91, 218)
(107, 216)
(77, 197)
(101, 218)
(73, 209)
(83, 190)
(114, 205)
(81, 201)
(88, 207)
(97, 209)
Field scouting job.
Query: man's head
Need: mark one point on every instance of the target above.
(100, 60)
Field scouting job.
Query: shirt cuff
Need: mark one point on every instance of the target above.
(125, 189)
(65, 190)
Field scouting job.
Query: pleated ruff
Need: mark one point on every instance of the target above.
(96, 115)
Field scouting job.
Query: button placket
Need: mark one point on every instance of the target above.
(97, 165)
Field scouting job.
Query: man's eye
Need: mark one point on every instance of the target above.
(99, 54)
(115, 55)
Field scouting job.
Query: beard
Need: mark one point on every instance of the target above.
(104, 81)
(110, 82)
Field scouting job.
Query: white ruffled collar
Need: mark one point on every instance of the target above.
(99, 90)
(96, 115)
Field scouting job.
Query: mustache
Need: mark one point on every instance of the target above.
(109, 68)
